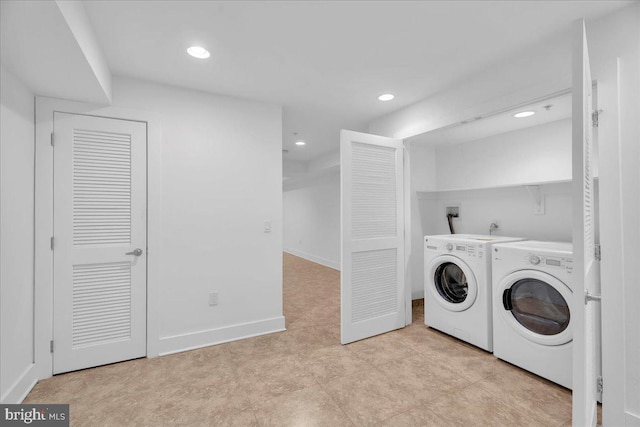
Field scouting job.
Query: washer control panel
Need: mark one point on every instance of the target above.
(460, 249)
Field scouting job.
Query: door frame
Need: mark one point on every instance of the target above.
(408, 237)
(612, 265)
(43, 264)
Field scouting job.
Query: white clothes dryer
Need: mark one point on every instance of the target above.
(457, 295)
(532, 294)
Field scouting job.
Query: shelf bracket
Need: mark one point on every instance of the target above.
(538, 198)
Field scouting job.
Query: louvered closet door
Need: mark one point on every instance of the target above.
(585, 266)
(99, 217)
(372, 270)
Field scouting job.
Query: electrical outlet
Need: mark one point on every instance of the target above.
(213, 298)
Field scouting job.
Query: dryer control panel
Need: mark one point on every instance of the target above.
(536, 259)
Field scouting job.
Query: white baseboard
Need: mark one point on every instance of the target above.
(194, 340)
(21, 388)
(631, 420)
(318, 260)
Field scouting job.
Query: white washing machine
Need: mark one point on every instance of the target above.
(532, 294)
(457, 295)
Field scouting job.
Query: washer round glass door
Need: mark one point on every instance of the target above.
(536, 305)
(452, 283)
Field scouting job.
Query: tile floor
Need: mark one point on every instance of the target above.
(304, 377)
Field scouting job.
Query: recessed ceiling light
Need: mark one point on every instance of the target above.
(524, 114)
(198, 52)
(386, 97)
(301, 143)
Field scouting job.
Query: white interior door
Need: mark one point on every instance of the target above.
(372, 221)
(99, 246)
(584, 313)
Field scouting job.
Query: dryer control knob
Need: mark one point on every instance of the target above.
(449, 246)
(534, 260)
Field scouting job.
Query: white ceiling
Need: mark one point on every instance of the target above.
(500, 122)
(326, 61)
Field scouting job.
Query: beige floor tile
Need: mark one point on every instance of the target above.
(334, 362)
(418, 375)
(308, 407)
(471, 363)
(307, 339)
(424, 339)
(474, 405)
(568, 422)
(266, 379)
(257, 348)
(420, 416)
(130, 410)
(334, 329)
(245, 418)
(531, 393)
(214, 362)
(64, 389)
(383, 348)
(203, 396)
(371, 398)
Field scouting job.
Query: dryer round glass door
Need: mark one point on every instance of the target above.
(537, 306)
(452, 283)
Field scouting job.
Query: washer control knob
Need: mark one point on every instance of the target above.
(449, 246)
(535, 260)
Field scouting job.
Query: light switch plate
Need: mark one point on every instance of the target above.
(267, 226)
(213, 298)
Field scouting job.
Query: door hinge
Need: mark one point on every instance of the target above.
(597, 253)
(588, 296)
(594, 117)
(51, 243)
(600, 385)
(51, 346)
(52, 139)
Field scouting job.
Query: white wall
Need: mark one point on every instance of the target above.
(312, 219)
(16, 244)
(535, 154)
(422, 173)
(510, 207)
(221, 179)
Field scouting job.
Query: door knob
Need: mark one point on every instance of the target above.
(136, 252)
